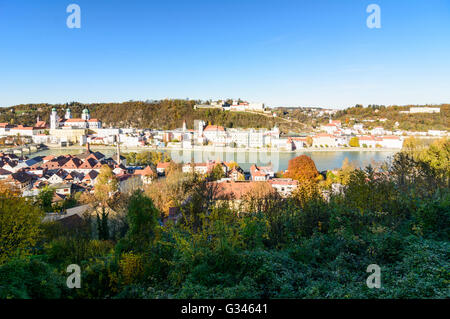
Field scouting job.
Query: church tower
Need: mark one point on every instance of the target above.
(200, 128)
(68, 114)
(54, 119)
(85, 115)
(118, 149)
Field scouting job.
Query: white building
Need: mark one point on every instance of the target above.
(324, 140)
(329, 128)
(392, 142)
(129, 140)
(436, 133)
(378, 131)
(284, 186)
(246, 106)
(425, 109)
(68, 122)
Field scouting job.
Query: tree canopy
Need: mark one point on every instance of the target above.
(302, 168)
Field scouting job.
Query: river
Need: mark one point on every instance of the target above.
(279, 160)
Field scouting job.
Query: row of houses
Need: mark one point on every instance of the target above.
(237, 181)
(68, 173)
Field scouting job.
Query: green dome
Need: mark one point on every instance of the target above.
(85, 111)
(54, 109)
(67, 110)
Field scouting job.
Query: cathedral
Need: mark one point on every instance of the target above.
(68, 122)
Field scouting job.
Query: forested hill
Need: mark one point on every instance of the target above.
(410, 122)
(169, 114)
(164, 114)
(373, 116)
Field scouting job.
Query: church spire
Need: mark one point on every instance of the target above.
(118, 149)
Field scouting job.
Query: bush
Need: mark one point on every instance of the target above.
(30, 278)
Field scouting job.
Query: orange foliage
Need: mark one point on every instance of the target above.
(302, 168)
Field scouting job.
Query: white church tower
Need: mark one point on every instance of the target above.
(85, 115)
(54, 118)
(68, 114)
(200, 128)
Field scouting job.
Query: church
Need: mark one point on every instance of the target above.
(85, 122)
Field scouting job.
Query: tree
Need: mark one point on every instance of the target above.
(261, 197)
(30, 278)
(354, 142)
(45, 199)
(105, 187)
(217, 172)
(302, 168)
(438, 155)
(142, 220)
(345, 171)
(173, 168)
(309, 141)
(20, 223)
(106, 184)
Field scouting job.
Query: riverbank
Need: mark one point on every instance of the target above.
(327, 158)
(223, 149)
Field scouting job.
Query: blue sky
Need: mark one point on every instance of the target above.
(283, 53)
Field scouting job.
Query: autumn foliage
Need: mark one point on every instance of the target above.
(302, 168)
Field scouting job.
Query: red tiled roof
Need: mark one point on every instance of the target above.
(58, 197)
(323, 135)
(283, 181)
(366, 138)
(232, 190)
(89, 163)
(73, 163)
(74, 120)
(145, 172)
(90, 176)
(163, 165)
(21, 127)
(214, 128)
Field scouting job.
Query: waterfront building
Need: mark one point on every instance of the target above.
(324, 140)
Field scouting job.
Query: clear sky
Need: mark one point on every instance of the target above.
(283, 53)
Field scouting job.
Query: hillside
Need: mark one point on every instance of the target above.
(411, 122)
(169, 114)
(164, 114)
(373, 116)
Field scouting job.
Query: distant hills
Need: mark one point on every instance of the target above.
(164, 114)
(169, 114)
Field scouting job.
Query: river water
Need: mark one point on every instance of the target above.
(279, 160)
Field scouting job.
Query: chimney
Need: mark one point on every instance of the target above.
(87, 148)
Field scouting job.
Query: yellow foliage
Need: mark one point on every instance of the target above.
(131, 268)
